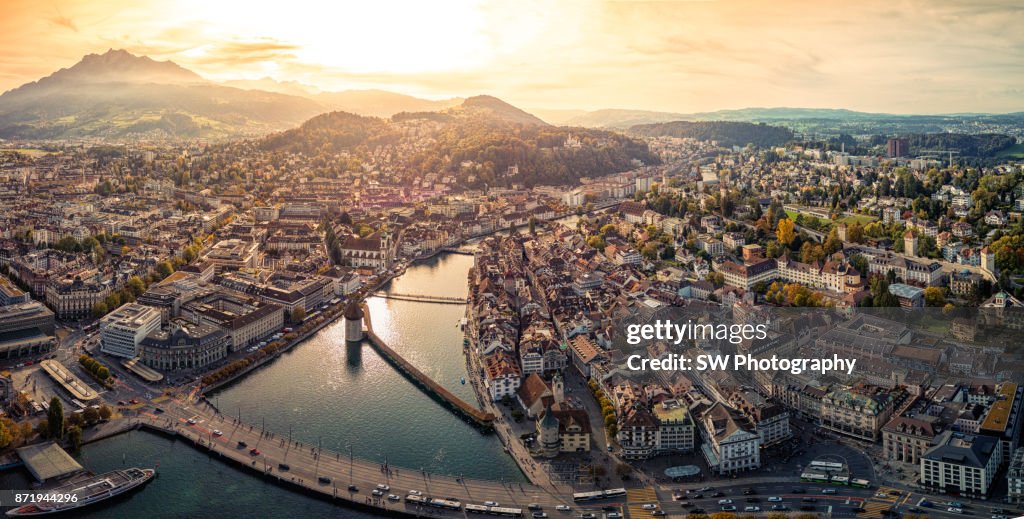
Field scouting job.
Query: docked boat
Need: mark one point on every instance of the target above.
(85, 492)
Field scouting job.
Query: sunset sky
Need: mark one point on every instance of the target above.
(686, 55)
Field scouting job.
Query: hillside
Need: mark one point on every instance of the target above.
(478, 142)
(117, 95)
(380, 103)
(727, 133)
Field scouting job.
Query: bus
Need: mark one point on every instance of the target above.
(447, 504)
(860, 483)
(599, 494)
(826, 465)
(840, 480)
(813, 477)
(494, 510)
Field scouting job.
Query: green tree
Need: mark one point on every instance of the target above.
(105, 412)
(298, 314)
(99, 309)
(55, 418)
(91, 415)
(75, 438)
(164, 269)
(136, 285)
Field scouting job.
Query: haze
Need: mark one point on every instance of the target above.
(685, 56)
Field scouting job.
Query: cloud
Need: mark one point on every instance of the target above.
(64, 21)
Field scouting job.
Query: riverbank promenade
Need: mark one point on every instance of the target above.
(329, 474)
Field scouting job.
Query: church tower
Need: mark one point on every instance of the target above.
(558, 389)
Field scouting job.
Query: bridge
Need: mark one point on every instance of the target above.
(421, 298)
(482, 419)
(313, 470)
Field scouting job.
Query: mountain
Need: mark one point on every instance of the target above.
(619, 118)
(482, 142)
(491, 107)
(380, 103)
(119, 95)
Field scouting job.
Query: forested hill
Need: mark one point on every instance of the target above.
(727, 133)
(478, 142)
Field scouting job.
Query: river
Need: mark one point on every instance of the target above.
(342, 396)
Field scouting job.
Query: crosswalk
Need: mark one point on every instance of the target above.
(636, 498)
(885, 498)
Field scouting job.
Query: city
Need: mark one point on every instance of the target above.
(227, 297)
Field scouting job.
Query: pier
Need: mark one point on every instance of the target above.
(482, 419)
(422, 298)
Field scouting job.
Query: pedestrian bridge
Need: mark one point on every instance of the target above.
(421, 298)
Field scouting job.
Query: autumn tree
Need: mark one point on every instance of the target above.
(785, 233)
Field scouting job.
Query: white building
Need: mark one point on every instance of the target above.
(122, 330)
(730, 444)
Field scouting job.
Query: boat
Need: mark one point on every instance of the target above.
(88, 491)
(463, 380)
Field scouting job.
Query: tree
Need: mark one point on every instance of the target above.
(164, 269)
(136, 285)
(99, 309)
(935, 297)
(55, 419)
(105, 412)
(91, 415)
(75, 438)
(784, 232)
(5, 436)
(298, 314)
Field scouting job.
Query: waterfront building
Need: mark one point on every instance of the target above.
(860, 411)
(184, 346)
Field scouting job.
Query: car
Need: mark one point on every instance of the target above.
(828, 491)
(383, 487)
(728, 508)
(377, 492)
(809, 500)
(686, 504)
(725, 501)
(353, 488)
(614, 515)
(216, 432)
(748, 492)
(956, 504)
(254, 452)
(779, 507)
(284, 467)
(999, 516)
(895, 493)
(242, 444)
(324, 480)
(393, 497)
(587, 515)
(563, 508)
(191, 421)
(705, 489)
(491, 503)
(881, 494)
(955, 510)
(799, 490)
(775, 499)
(752, 509)
(649, 506)
(539, 515)
(415, 493)
(158, 410)
(717, 494)
(698, 496)
(698, 511)
(534, 506)
(658, 513)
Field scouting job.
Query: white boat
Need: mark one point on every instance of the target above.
(86, 492)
